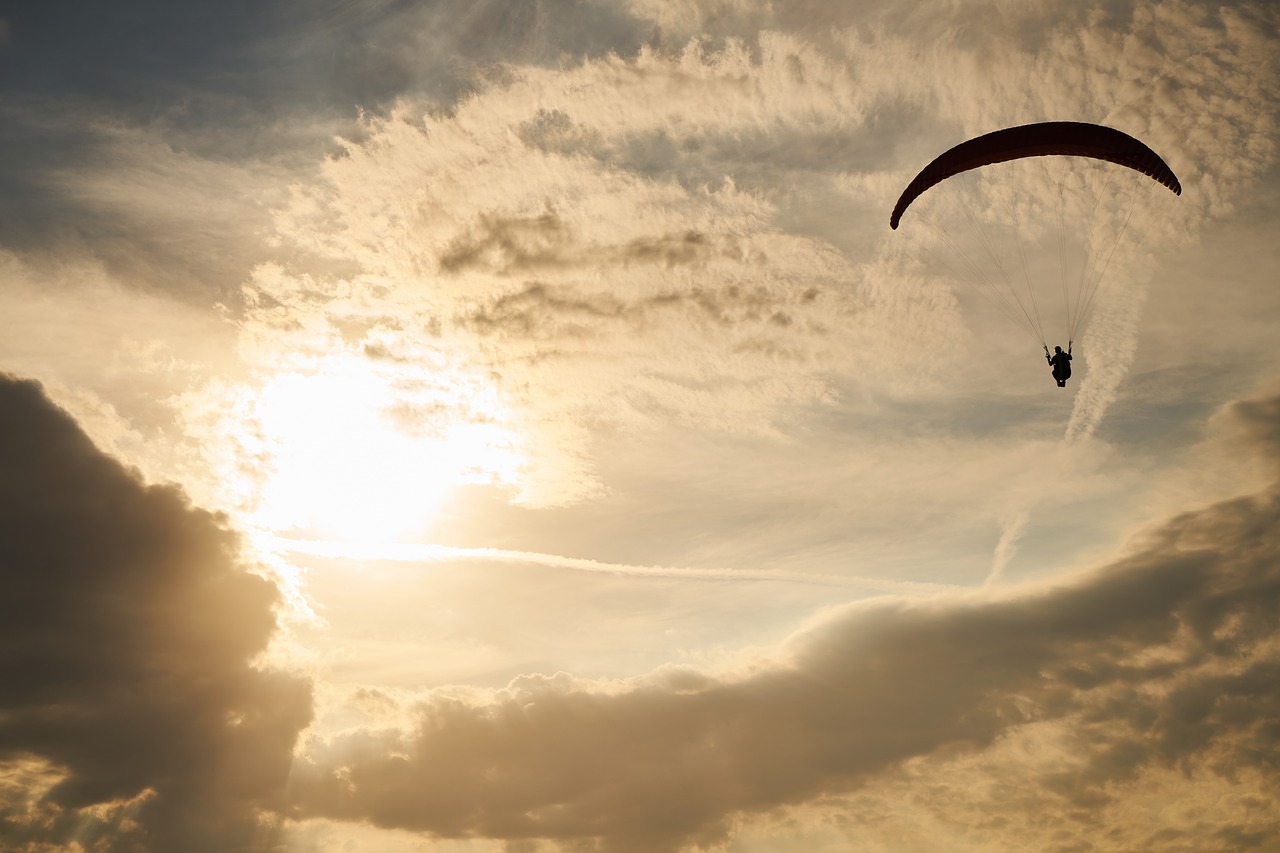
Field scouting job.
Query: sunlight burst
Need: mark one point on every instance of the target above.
(361, 457)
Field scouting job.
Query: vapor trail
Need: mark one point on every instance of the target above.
(1112, 345)
(1007, 546)
(430, 552)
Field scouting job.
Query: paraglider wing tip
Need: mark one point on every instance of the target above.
(895, 217)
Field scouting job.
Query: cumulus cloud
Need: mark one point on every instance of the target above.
(1159, 663)
(132, 714)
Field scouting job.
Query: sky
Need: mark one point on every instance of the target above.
(511, 426)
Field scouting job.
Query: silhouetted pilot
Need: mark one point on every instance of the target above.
(1061, 363)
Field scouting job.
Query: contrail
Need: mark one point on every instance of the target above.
(1113, 343)
(428, 552)
(1007, 546)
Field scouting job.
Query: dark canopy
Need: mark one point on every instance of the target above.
(1038, 140)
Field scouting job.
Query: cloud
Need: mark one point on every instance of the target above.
(226, 59)
(616, 240)
(1158, 663)
(547, 241)
(694, 235)
(210, 103)
(561, 201)
(128, 630)
(527, 245)
(1201, 85)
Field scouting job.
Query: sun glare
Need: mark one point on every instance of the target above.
(361, 457)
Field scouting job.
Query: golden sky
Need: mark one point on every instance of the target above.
(513, 426)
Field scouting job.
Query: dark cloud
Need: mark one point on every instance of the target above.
(508, 245)
(127, 628)
(196, 58)
(544, 312)
(756, 157)
(187, 230)
(1161, 660)
(241, 84)
(549, 311)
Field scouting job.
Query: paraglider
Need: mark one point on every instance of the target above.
(1060, 364)
(1038, 140)
(1027, 194)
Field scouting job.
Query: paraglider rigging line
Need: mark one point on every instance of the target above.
(1074, 314)
(985, 241)
(1026, 271)
(1039, 140)
(986, 288)
(1089, 290)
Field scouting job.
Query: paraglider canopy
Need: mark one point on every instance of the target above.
(1038, 140)
(999, 224)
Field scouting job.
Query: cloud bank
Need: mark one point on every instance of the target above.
(1158, 666)
(132, 715)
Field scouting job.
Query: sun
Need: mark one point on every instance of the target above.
(350, 453)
